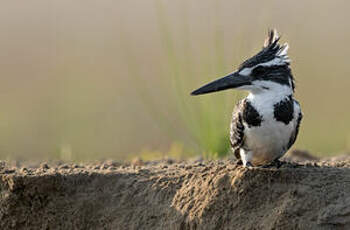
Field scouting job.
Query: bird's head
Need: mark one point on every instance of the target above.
(267, 71)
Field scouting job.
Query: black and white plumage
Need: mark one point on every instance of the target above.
(266, 123)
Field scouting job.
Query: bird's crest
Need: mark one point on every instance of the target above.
(272, 53)
(271, 42)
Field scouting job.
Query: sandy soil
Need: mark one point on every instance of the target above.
(311, 194)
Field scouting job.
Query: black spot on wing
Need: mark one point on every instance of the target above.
(296, 132)
(251, 115)
(237, 129)
(284, 110)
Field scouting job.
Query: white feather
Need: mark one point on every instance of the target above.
(269, 140)
(284, 50)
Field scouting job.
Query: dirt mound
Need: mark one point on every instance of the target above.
(204, 195)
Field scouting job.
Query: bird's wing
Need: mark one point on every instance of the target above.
(237, 128)
(296, 131)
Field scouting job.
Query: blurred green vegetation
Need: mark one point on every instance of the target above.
(90, 80)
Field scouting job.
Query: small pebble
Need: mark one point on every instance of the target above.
(8, 171)
(44, 166)
(64, 166)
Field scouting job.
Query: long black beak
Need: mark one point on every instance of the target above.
(233, 80)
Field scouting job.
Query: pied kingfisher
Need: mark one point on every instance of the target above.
(265, 124)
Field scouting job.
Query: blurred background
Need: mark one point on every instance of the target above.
(85, 80)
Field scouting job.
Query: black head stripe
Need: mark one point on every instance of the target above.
(281, 74)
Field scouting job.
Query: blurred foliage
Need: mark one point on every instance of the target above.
(176, 152)
(108, 79)
(204, 122)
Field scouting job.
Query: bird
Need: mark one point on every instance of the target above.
(265, 124)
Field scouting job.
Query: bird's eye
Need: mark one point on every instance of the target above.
(259, 70)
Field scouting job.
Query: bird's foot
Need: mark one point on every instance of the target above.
(276, 163)
(248, 165)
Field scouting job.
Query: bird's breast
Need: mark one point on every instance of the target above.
(269, 140)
